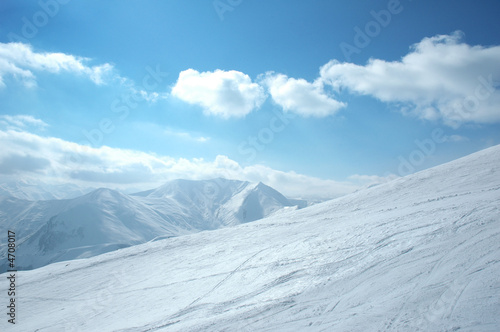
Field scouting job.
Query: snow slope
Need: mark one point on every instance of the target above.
(106, 220)
(421, 253)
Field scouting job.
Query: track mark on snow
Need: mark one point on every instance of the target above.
(225, 279)
(189, 306)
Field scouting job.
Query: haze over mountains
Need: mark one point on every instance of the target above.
(104, 220)
(36, 190)
(421, 253)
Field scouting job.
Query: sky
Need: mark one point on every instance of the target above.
(314, 98)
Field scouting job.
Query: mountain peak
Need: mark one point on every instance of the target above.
(103, 192)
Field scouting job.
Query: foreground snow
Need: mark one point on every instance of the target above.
(419, 253)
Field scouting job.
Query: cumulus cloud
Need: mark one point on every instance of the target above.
(440, 78)
(221, 93)
(19, 61)
(299, 96)
(55, 160)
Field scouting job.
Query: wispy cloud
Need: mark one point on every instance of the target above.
(21, 62)
(141, 94)
(221, 93)
(21, 122)
(186, 135)
(441, 78)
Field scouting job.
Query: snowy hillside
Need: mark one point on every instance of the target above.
(421, 253)
(106, 220)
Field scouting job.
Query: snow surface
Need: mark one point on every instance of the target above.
(421, 253)
(104, 220)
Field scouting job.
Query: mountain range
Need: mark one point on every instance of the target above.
(105, 220)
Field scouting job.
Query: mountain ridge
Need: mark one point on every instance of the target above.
(105, 219)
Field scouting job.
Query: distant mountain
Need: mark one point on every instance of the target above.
(104, 220)
(219, 202)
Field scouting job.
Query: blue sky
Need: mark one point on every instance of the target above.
(315, 98)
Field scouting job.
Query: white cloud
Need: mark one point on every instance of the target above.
(151, 97)
(21, 122)
(186, 135)
(54, 160)
(440, 78)
(139, 93)
(299, 96)
(221, 93)
(20, 61)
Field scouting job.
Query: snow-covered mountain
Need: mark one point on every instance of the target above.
(219, 202)
(105, 220)
(420, 253)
